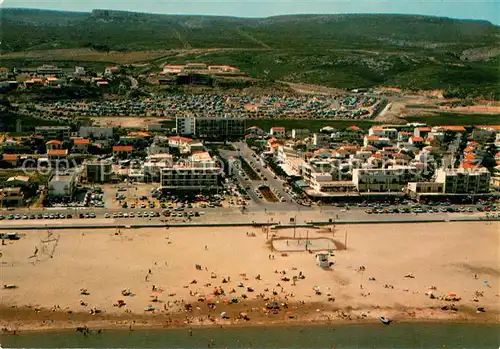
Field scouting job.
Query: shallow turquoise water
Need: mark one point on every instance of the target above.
(424, 335)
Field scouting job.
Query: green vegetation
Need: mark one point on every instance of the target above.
(248, 169)
(345, 51)
(456, 119)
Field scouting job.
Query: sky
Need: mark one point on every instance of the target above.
(472, 9)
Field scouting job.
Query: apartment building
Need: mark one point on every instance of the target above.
(300, 133)
(211, 127)
(49, 69)
(220, 128)
(464, 180)
(415, 188)
(189, 178)
(98, 171)
(380, 131)
(96, 132)
(485, 133)
(321, 139)
(81, 145)
(122, 150)
(154, 164)
(376, 141)
(384, 180)
(63, 185)
(277, 131)
(11, 197)
(185, 125)
(4, 73)
(53, 132)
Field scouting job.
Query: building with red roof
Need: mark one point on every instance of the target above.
(81, 145)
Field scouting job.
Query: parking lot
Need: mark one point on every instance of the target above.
(252, 174)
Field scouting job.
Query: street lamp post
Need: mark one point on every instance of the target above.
(294, 225)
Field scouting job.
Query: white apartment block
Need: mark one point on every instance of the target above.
(376, 141)
(63, 185)
(320, 140)
(189, 178)
(210, 127)
(53, 132)
(96, 132)
(390, 133)
(300, 133)
(185, 125)
(384, 180)
(463, 181)
(277, 131)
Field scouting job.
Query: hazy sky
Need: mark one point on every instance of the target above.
(474, 9)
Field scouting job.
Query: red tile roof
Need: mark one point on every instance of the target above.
(81, 141)
(123, 148)
(57, 152)
(54, 141)
(180, 138)
(493, 127)
(417, 139)
(457, 128)
(398, 155)
(10, 157)
(469, 165)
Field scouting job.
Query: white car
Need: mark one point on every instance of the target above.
(107, 215)
(125, 215)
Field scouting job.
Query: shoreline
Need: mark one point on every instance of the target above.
(160, 321)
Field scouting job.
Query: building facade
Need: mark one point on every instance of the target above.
(384, 180)
(300, 133)
(190, 178)
(98, 172)
(277, 131)
(11, 197)
(211, 127)
(96, 132)
(63, 185)
(463, 181)
(53, 132)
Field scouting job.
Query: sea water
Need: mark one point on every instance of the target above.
(406, 335)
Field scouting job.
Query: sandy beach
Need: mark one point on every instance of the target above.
(385, 270)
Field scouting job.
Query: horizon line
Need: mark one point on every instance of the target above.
(258, 17)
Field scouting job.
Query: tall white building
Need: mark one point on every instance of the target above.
(96, 132)
(185, 125)
(53, 132)
(210, 127)
(198, 172)
(63, 185)
(463, 181)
